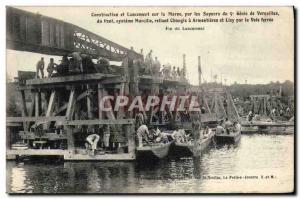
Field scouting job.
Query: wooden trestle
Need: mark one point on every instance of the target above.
(65, 108)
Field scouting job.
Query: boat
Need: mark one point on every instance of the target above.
(231, 137)
(153, 151)
(19, 146)
(193, 148)
(268, 127)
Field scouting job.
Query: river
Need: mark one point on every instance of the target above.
(259, 163)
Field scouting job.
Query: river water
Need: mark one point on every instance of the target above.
(259, 163)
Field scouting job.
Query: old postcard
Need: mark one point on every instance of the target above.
(146, 100)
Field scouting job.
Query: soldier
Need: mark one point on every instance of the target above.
(51, 67)
(63, 68)
(40, 67)
(250, 116)
(156, 67)
(103, 65)
(149, 62)
(92, 141)
(142, 134)
(76, 63)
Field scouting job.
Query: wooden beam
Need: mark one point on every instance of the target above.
(89, 104)
(38, 152)
(50, 136)
(100, 95)
(130, 135)
(118, 156)
(34, 119)
(23, 103)
(114, 80)
(70, 105)
(67, 79)
(24, 109)
(99, 122)
(37, 106)
(50, 108)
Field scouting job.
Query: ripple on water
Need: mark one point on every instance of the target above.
(254, 155)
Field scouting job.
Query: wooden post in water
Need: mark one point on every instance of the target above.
(100, 95)
(71, 104)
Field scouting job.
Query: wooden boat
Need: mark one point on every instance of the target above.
(263, 127)
(153, 151)
(193, 148)
(233, 137)
(19, 146)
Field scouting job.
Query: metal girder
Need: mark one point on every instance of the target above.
(32, 32)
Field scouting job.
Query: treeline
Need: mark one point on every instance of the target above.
(244, 90)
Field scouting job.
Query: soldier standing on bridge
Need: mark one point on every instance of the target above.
(51, 67)
(149, 62)
(40, 67)
(156, 67)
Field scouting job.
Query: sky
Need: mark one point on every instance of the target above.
(256, 52)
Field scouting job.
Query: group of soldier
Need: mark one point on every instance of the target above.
(147, 135)
(74, 63)
(274, 115)
(153, 67)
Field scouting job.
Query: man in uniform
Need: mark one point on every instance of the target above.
(228, 126)
(51, 67)
(250, 116)
(149, 62)
(156, 67)
(92, 141)
(161, 136)
(76, 63)
(142, 134)
(40, 67)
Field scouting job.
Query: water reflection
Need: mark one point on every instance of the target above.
(255, 155)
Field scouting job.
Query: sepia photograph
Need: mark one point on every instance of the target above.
(150, 100)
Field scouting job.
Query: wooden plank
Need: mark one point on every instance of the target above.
(121, 157)
(70, 105)
(89, 103)
(50, 136)
(50, 108)
(66, 79)
(100, 95)
(267, 124)
(37, 106)
(130, 135)
(34, 119)
(24, 108)
(37, 152)
(8, 137)
(23, 103)
(70, 140)
(9, 124)
(114, 80)
(99, 122)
